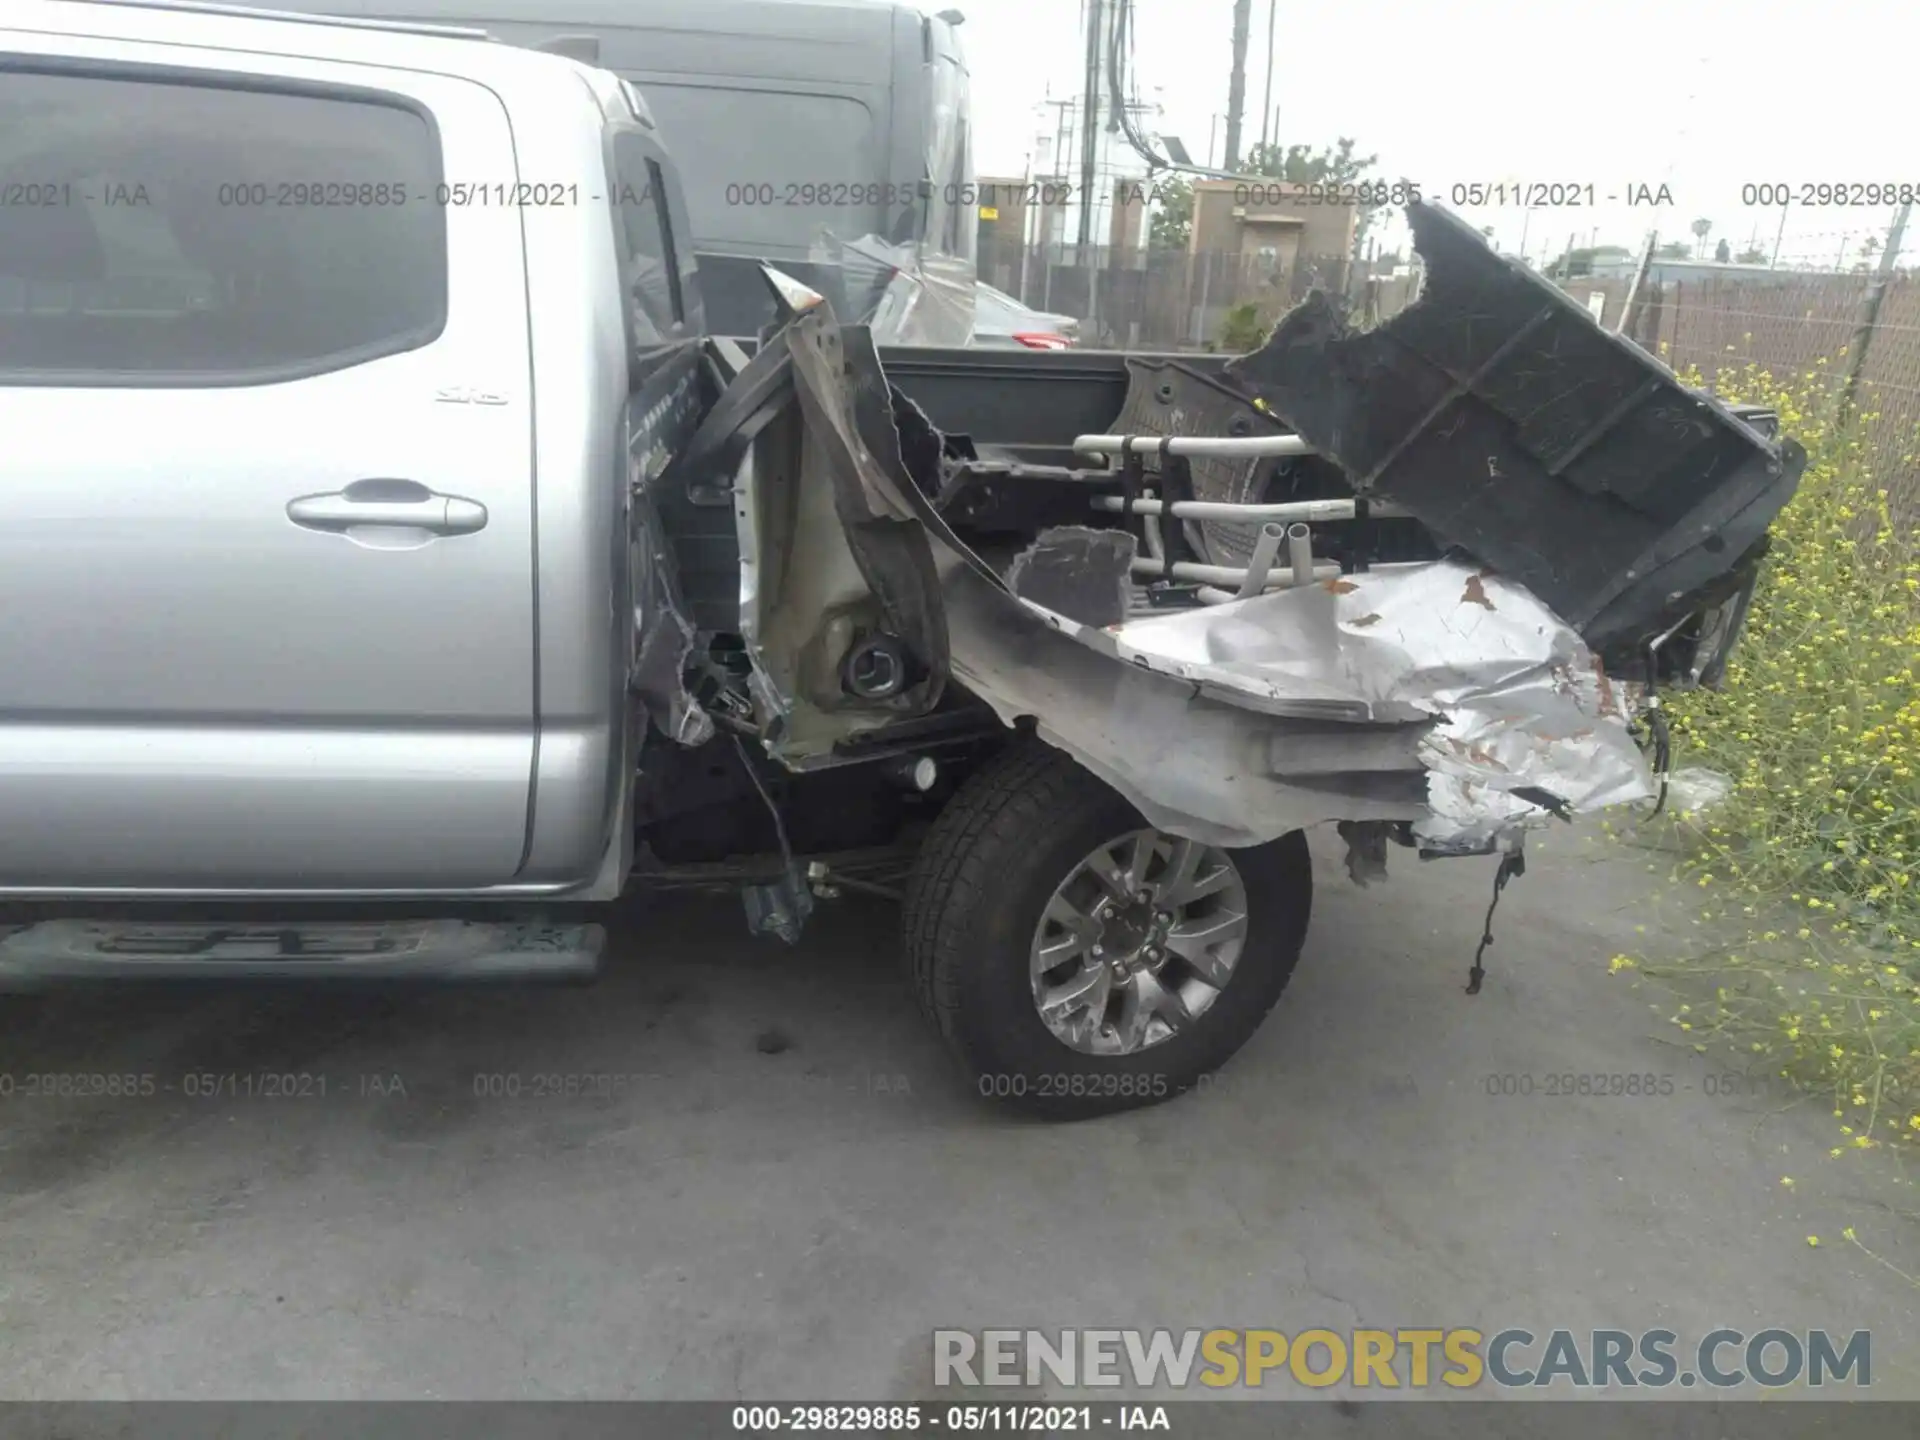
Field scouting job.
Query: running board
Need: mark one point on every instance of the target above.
(56, 951)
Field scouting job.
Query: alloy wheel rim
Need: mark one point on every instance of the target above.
(1137, 943)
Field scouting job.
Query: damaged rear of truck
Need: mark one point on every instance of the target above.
(1067, 651)
(1121, 629)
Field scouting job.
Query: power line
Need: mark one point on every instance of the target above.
(1121, 109)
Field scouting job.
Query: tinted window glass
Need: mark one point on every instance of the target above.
(767, 171)
(653, 274)
(152, 228)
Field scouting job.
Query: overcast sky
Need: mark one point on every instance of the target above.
(1700, 95)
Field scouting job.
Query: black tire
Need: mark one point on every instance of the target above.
(990, 863)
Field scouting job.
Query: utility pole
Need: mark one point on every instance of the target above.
(1026, 230)
(1049, 235)
(1090, 135)
(1057, 161)
(1059, 166)
(1266, 103)
(1774, 264)
(1237, 81)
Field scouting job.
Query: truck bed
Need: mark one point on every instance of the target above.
(1030, 406)
(1504, 527)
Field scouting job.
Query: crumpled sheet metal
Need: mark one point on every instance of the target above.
(1510, 423)
(929, 302)
(914, 295)
(1436, 694)
(1193, 765)
(1510, 697)
(928, 296)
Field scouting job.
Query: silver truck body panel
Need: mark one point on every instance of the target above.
(213, 698)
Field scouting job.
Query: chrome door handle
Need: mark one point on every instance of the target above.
(395, 503)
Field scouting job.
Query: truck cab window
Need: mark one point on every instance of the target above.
(653, 271)
(173, 228)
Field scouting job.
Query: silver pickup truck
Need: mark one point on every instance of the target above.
(395, 570)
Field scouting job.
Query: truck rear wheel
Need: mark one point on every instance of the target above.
(1079, 961)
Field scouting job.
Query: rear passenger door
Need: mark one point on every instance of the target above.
(266, 542)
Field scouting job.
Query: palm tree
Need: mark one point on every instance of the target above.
(1701, 228)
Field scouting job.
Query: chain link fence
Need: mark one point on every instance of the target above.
(1828, 327)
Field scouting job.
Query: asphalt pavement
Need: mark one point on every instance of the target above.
(738, 1170)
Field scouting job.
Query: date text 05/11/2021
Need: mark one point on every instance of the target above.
(957, 1419)
(1462, 194)
(519, 194)
(1465, 194)
(325, 194)
(200, 1085)
(993, 194)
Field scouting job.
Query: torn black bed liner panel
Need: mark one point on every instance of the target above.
(1081, 573)
(1504, 417)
